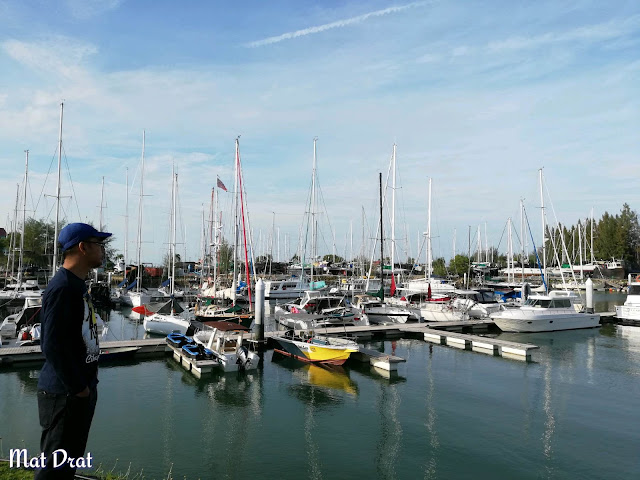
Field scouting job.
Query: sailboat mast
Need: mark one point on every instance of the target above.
(593, 258)
(234, 284)
(313, 211)
(139, 239)
(24, 215)
(172, 249)
(54, 262)
(393, 210)
(126, 222)
(429, 253)
(101, 222)
(381, 241)
(12, 246)
(522, 239)
(544, 234)
(215, 241)
(580, 250)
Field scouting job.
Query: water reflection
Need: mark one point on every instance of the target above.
(319, 385)
(390, 437)
(431, 465)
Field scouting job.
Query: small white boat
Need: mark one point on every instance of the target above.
(28, 315)
(631, 308)
(226, 344)
(559, 310)
(167, 320)
(378, 312)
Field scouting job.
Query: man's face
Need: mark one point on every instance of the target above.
(94, 251)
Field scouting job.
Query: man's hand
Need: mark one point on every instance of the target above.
(84, 393)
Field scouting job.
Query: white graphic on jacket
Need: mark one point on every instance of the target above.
(90, 330)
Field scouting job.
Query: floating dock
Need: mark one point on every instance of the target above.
(377, 359)
(108, 350)
(197, 367)
(440, 333)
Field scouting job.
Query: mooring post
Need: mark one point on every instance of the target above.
(589, 285)
(259, 318)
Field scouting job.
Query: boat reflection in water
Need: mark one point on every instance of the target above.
(325, 377)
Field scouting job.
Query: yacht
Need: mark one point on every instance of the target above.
(292, 288)
(376, 311)
(631, 308)
(559, 310)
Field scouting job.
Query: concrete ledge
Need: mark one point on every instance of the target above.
(458, 342)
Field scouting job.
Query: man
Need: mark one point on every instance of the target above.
(67, 392)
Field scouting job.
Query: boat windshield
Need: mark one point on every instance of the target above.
(548, 303)
(634, 290)
(537, 302)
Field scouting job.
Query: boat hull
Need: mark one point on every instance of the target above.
(625, 312)
(546, 323)
(313, 352)
(165, 324)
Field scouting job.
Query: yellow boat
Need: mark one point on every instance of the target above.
(317, 349)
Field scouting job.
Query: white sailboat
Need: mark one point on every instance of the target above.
(22, 288)
(557, 310)
(168, 319)
(140, 296)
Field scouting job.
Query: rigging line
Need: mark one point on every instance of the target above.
(502, 236)
(66, 161)
(535, 250)
(45, 181)
(564, 246)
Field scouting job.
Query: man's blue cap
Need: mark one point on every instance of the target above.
(74, 233)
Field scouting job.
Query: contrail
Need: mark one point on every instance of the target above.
(337, 24)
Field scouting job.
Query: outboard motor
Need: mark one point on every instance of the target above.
(243, 357)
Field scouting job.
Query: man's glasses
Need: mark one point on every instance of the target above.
(102, 245)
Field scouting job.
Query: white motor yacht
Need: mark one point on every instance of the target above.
(560, 310)
(631, 308)
(377, 311)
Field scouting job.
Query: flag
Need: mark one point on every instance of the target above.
(221, 185)
(393, 285)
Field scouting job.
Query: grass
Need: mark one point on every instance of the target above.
(7, 473)
(100, 473)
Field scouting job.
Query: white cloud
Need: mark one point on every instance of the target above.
(85, 9)
(56, 55)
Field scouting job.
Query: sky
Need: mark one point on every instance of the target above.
(478, 96)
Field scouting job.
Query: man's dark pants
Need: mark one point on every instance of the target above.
(65, 421)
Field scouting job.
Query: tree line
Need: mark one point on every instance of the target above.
(614, 236)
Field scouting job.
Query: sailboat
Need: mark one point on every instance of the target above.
(557, 310)
(168, 319)
(207, 308)
(22, 288)
(375, 309)
(139, 296)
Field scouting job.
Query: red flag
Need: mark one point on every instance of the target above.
(221, 185)
(142, 310)
(393, 285)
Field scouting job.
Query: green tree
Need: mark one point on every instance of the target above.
(439, 267)
(459, 265)
(332, 258)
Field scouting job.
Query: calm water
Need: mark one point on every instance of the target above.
(572, 413)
